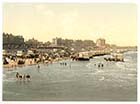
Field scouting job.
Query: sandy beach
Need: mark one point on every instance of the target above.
(29, 61)
(13, 63)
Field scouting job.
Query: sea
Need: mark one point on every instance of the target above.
(74, 81)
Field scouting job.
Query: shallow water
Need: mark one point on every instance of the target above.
(78, 80)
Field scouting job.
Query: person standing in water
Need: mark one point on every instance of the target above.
(17, 75)
(38, 66)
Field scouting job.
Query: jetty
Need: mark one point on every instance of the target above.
(87, 55)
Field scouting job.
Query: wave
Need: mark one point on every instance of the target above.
(90, 65)
(98, 71)
(4, 75)
(120, 65)
(9, 80)
(102, 78)
(132, 75)
(131, 52)
(129, 65)
(13, 93)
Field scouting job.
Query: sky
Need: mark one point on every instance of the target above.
(116, 22)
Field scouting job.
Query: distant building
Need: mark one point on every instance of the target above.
(54, 41)
(100, 42)
(57, 41)
(32, 41)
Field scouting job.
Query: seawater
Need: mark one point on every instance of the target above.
(77, 81)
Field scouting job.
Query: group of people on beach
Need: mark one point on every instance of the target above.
(23, 77)
(63, 63)
(99, 65)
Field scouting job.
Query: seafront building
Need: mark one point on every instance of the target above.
(101, 43)
(57, 41)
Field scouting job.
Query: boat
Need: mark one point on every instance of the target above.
(82, 56)
(117, 57)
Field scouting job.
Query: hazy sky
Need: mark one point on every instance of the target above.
(117, 23)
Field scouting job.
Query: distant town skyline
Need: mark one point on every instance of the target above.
(115, 22)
